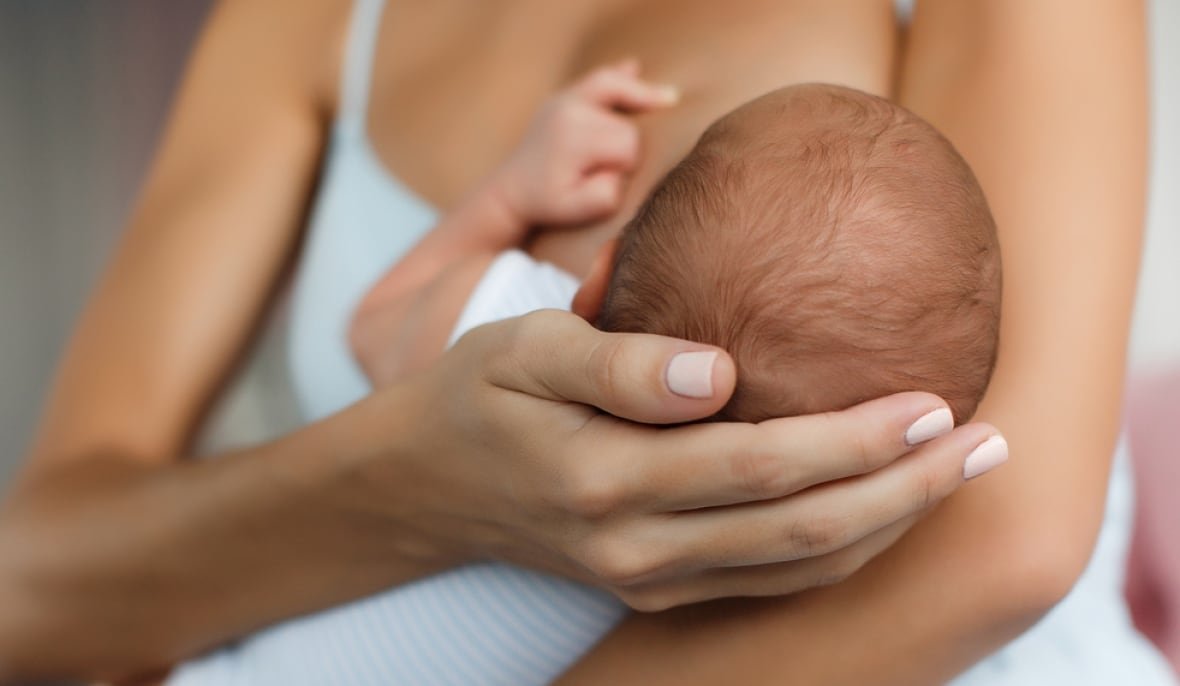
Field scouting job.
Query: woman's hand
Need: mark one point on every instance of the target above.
(511, 460)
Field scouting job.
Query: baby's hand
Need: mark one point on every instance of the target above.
(571, 166)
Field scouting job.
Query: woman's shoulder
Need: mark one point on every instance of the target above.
(303, 39)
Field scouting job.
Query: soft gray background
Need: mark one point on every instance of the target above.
(84, 85)
(84, 88)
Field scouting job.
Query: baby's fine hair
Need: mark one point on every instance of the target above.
(833, 242)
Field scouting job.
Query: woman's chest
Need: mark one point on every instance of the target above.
(456, 82)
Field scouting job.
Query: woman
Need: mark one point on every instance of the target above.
(398, 485)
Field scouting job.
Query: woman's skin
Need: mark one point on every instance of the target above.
(1047, 101)
(118, 556)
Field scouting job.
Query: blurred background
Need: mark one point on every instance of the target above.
(84, 87)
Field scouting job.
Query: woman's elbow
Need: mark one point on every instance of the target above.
(19, 636)
(43, 636)
(31, 646)
(1037, 569)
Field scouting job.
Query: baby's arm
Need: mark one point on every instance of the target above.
(408, 330)
(569, 170)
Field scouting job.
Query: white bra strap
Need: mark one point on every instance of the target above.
(360, 51)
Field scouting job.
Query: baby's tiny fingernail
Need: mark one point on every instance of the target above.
(691, 374)
(987, 456)
(668, 94)
(930, 425)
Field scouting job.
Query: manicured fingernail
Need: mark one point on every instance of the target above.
(691, 374)
(990, 454)
(669, 95)
(930, 425)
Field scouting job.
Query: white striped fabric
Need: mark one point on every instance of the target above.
(482, 624)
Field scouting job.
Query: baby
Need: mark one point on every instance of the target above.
(834, 243)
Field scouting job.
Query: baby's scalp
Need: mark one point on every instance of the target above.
(834, 243)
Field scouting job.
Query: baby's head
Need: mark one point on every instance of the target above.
(834, 243)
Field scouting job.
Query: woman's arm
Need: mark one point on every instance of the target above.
(1047, 101)
(495, 452)
(113, 553)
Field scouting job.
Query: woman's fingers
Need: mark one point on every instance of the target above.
(725, 463)
(812, 523)
(764, 580)
(645, 378)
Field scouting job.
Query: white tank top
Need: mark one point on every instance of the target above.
(492, 623)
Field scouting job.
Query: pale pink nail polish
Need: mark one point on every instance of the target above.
(691, 374)
(930, 425)
(990, 454)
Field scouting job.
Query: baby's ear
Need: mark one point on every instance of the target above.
(588, 300)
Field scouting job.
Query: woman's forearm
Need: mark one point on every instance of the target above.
(108, 565)
(1047, 103)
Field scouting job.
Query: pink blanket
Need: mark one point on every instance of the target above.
(1153, 575)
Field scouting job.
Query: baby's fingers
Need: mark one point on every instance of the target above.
(598, 195)
(620, 87)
